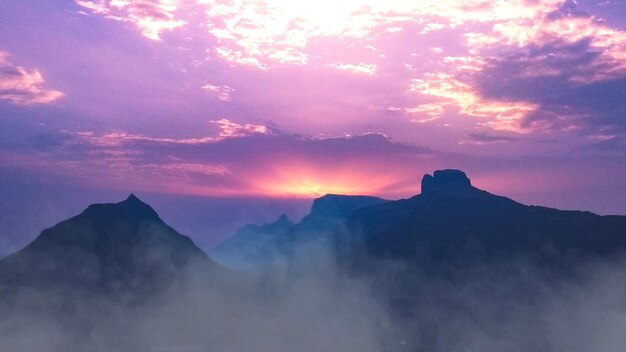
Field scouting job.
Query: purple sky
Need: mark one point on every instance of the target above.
(213, 107)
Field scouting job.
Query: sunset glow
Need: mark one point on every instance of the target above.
(280, 98)
(312, 181)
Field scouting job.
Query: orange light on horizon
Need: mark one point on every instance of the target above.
(310, 182)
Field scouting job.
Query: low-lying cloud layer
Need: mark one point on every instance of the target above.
(513, 306)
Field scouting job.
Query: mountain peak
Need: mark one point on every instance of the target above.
(283, 218)
(107, 247)
(131, 207)
(339, 206)
(448, 180)
(132, 197)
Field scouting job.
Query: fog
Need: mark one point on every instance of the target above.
(315, 304)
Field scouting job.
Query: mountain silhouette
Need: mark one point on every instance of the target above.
(117, 278)
(328, 213)
(452, 219)
(252, 246)
(256, 247)
(430, 250)
(449, 222)
(113, 250)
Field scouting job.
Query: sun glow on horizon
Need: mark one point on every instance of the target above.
(311, 182)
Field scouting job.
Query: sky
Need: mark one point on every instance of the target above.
(222, 112)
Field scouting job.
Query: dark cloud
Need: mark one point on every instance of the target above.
(255, 164)
(574, 85)
(569, 8)
(612, 144)
(488, 138)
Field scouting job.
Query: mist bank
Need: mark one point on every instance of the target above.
(512, 305)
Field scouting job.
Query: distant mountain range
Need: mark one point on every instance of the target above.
(257, 248)
(125, 247)
(117, 278)
(253, 247)
(450, 220)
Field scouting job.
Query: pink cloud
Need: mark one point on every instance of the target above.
(241, 162)
(567, 29)
(227, 129)
(23, 86)
(540, 35)
(427, 112)
(496, 114)
(152, 17)
(328, 67)
(263, 33)
(284, 165)
(232, 129)
(360, 68)
(224, 93)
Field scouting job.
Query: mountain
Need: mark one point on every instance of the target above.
(256, 247)
(325, 225)
(453, 220)
(117, 250)
(450, 269)
(252, 246)
(458, 256)
(330, 210)
(450, 222)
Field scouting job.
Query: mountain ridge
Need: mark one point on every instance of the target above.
(450, 215)
(266, 245)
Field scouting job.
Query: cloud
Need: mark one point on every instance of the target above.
(568, 84)
(497, 114)
(152, 17)
(282, 165)
(482, 138)
(510, 303)
(562, 71)
(432, 27)
(607, 144)
(232, 129)
(224, 93)
(263, 33)
(566, 29)
(427, 112)
(243, 160)
(361, 68)
(228, 129)
(23, 86)
(323, 75)
(454, 50)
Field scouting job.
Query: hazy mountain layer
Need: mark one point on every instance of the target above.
(260, 248)
(452, 269)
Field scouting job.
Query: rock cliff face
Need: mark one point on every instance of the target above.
(446, 180)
